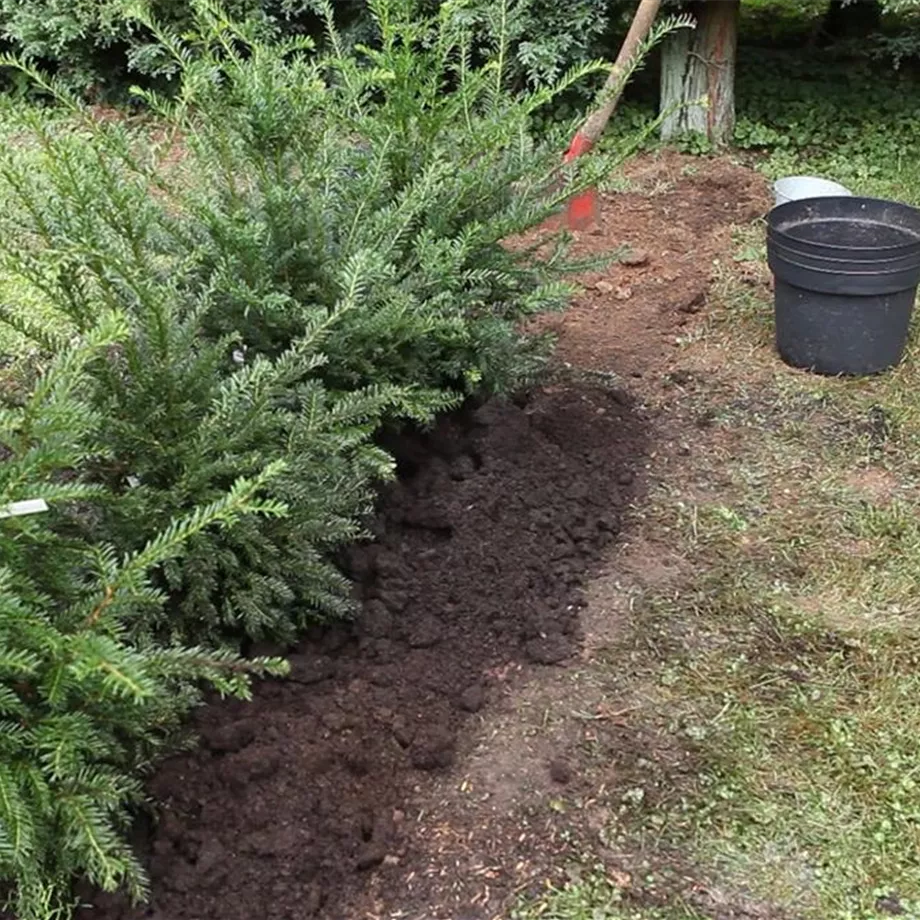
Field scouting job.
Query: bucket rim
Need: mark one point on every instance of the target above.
(911, 252)
(775, 217)
(838, 272)
(831, 183)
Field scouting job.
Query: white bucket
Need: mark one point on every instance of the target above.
(792, 188)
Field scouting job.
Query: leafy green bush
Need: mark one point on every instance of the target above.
(317, 245)
(82, 708)
(99, 45)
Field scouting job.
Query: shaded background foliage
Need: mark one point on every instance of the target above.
(99, 46)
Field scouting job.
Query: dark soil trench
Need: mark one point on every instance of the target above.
(294, 804)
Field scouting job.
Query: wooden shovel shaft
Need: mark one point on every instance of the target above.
(594, 126)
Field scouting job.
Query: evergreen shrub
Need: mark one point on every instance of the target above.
(311, 246)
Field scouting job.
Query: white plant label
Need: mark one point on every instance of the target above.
(30, 506)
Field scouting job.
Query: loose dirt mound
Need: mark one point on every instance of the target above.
(675, 219)
(295, 805)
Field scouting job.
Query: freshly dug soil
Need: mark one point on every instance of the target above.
(294, 802)
(677, 223)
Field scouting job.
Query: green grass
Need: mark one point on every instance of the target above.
(593, 896)
(799, 692)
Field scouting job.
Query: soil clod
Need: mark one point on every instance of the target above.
(229, 738)
(425, 633)
(370, 855)
(635, 258)
(548, 649)
(306, 669)
(376, 620)
(432, 748)
(560, 771)
(472, 698)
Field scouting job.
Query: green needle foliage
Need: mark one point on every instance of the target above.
(310, 246)
(402, 167)
(301, 248)
(185, 413)
(83, 707)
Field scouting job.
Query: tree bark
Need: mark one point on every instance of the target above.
(700, 64)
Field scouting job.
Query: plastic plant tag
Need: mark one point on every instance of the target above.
(29, 506)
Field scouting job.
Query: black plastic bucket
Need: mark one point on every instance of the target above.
(846, 272)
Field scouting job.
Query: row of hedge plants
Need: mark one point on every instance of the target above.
(101, 48)
(218, 309)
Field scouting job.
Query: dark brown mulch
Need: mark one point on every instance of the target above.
(295, 802)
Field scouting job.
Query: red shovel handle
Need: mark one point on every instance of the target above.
(581, 211)
(580, 144)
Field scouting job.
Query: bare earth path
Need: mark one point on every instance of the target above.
(545, 768)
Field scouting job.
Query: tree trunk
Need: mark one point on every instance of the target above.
(698, 65)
